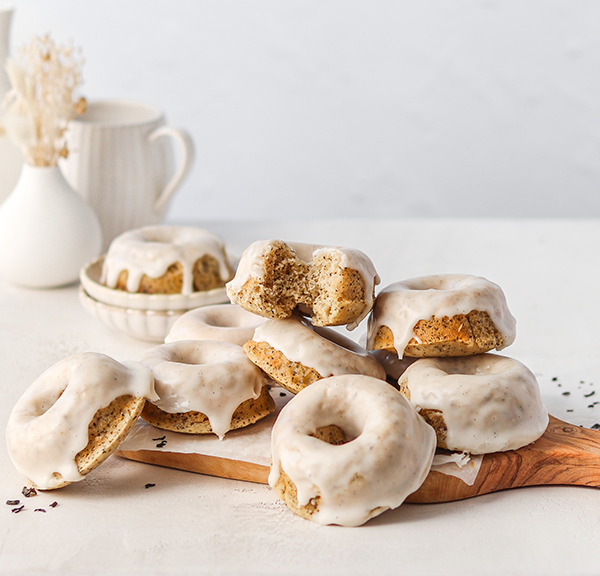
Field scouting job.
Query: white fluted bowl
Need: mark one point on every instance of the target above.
(150, 325)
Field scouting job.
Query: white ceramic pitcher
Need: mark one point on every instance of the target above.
(11, 158)
(121, 161)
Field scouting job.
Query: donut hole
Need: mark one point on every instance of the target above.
(207, 273)
(190, 357)
(158, 235)
(229, 316)
(440, 282)
(346, 427)
(481, 365)
(44, 404)
(332, 434)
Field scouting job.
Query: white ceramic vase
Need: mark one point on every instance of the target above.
(47, 231)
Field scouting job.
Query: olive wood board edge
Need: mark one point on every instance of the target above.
(565, 455)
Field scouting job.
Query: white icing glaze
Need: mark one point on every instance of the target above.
(251, 266)
(204, 376)
(222, 322)
(401, 305)
(151, 250)
(388, 457)
(48, 426)
(490, 403)
(327, 351)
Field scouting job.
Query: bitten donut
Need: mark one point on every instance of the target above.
(295, 354)
(335, 286)
(347, 448)
(442, 315)
(205, 386)
(222, 322)
(74, 416)
(166, 260)
(479, 404)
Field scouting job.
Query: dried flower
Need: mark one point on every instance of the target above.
(44, 79)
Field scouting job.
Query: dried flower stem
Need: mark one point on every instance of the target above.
(42, 100)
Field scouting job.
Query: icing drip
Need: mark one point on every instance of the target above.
(327, 351)
(48, 426)
(149, 251)
(223, 322)
(402, 304)
(490, 403)
(388, 457)
(205, 376)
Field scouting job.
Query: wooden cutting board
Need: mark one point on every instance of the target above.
(565, 455)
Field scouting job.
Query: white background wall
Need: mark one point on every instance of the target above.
(356, 107)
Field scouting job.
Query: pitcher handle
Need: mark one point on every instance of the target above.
(187, 151)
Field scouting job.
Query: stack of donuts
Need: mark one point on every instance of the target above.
(433, 334)
(348, 445)
(477, 402)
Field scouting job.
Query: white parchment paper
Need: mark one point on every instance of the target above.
(253, 444)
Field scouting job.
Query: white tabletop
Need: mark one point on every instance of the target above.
(188, 523)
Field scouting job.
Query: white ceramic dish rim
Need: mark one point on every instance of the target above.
(149, 325)
(89, 276)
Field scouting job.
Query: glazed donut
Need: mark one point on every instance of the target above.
(74, 416)
(222, 322)
(295, 354)
(205, 386)
(442, 315)
(479, 404)
(381, 453)
(335, 286)
(166, 260)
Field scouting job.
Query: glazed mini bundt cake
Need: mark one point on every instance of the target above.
(205, 386)
(75, 415)
(347, 448)
(477, 404)
(166, 260)
(441, 315)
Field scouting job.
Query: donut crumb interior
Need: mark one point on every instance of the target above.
(330, 294)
